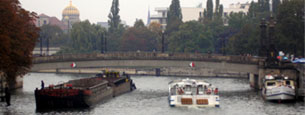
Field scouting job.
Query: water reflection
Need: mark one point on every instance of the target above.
(150, 98)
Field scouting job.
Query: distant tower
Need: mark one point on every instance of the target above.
(70, 15)
(148, 17)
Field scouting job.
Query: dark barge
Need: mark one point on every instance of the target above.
(82, 93)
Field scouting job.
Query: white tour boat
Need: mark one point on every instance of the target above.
(190, 92)
(277, 88)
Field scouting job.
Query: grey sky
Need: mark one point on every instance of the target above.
(98, 10)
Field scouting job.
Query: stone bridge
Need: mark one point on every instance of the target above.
(150, 63)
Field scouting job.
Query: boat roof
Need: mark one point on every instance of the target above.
(183, 82)
(277, 77)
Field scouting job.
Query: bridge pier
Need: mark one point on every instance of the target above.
(253, 80)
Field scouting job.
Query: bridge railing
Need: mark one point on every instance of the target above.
(147, 56)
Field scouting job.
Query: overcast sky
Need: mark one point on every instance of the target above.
(98, 10)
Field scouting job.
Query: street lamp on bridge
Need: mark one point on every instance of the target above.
(163, 32)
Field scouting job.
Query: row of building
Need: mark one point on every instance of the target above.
(70, 15)
(194, 13)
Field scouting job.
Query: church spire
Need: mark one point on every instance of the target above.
(70, 2)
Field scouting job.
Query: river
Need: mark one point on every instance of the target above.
(150, 98)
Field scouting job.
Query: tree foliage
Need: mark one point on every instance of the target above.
(217, 8)
(85, 38)
(138, 37)
(114, 17)
(290, 27)
(190, 38)
(174, 17)
(18, 37)
(56, 36)
(116, 29)
(275, 5)
(210, 9)
(155, 28)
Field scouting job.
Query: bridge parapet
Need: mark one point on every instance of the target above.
(147, 56)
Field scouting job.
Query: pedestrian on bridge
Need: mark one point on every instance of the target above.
(42, 84)
(7, 95)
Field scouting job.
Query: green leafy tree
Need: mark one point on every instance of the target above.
(55, 35)
(210, 9)
(18, 36)
(237, 20)
(221, 10)
(244, 42)
(174, 16)
(139, 24)
(114, 17)
(85, 38)
(275, 4)
(116, 29)
(155, 28)
(264, 5)
(290, 27)
(190, 38)
(217, 8)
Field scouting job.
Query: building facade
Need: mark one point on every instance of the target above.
(70, 16)
(160, 17)
(45, 20)
(193, 13)
(238, 7)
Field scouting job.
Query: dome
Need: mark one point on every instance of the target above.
(70, 10)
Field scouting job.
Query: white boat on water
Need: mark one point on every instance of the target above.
(190, 92)
(277, 88)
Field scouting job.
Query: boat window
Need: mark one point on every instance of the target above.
(288, 83)
(188, 88)
(200, 88)
(270, 83)
(173, 91)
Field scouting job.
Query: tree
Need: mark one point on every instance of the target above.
(220, 10)
(155, 28)
(210, 9)
(264, 5)
(114, 17)
(55, 35)
(244, 42)
(290, 27)
(191, 38)
(116, 29)
(217, 7)
(139, 24)
(18, 37)
(254, 7)
(275, 4)
(174, 16)
(85, 38)
(138, 37)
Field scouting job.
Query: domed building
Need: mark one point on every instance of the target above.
(70, 15)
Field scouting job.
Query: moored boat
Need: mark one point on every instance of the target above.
(277, 88)
(190, 92)
(83, 92)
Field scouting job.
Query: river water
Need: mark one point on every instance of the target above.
(150, 98)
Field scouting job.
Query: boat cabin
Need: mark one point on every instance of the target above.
(192, 88)
(278, 81)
